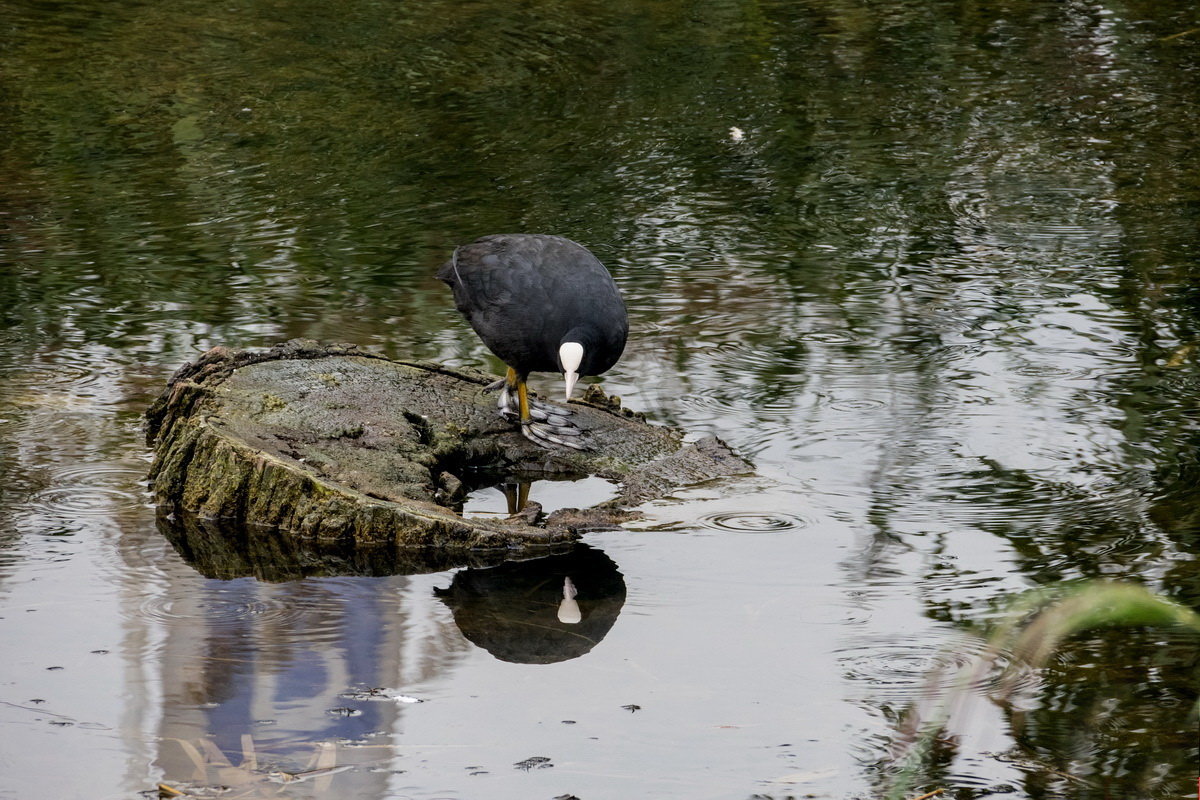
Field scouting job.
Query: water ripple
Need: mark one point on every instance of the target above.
(219, 609)
(24, 377)
(905, 668)
(76, 501)
(765, 409)
(114, 475)
(87, 490)
(861, 404)
(1062, 371)
(828, 336)
(754, 521)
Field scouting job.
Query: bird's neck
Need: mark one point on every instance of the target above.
(586, 335)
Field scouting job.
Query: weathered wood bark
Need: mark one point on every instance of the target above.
(327, 441)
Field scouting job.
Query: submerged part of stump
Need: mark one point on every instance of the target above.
(223, 549)
(326, 441)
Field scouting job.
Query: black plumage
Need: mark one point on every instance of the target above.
(528, 294)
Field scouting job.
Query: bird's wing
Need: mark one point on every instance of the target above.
(502, 294)
(489, 276)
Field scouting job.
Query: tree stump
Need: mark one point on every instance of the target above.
(329, 442)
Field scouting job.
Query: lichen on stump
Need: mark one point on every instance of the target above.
(327, 441)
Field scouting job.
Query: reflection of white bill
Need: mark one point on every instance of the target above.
(568, 609)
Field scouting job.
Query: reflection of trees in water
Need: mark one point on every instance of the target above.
(1130, 731)
(274, 668)
(288, 193)
(280, 672)
(1112, 713)
(1065, 242)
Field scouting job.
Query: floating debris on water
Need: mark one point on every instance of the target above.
(343, 711)
(379, 693)
(214, 775)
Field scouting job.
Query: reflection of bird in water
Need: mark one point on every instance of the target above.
(568, 609)
(541, 304)
(539, 611)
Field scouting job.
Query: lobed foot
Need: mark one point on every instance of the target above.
(509, 406)
(548, 435)
(506, 401)
(548, 426)
(554, 415)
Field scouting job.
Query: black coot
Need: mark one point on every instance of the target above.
(541, 304)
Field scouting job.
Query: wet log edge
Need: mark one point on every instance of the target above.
(202, 470)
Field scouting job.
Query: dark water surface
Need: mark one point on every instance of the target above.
(932, 265)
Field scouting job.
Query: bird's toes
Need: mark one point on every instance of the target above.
(550, 415)
(538, 406)
(554, 435)
(559, 426)
(508, 408)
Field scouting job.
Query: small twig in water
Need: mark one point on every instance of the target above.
(928, 795)
(1177, 35)
(36, 710)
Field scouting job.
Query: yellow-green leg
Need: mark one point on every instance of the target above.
(523, 401)
(517, 496)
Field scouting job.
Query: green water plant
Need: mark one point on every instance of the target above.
(1026, 636)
